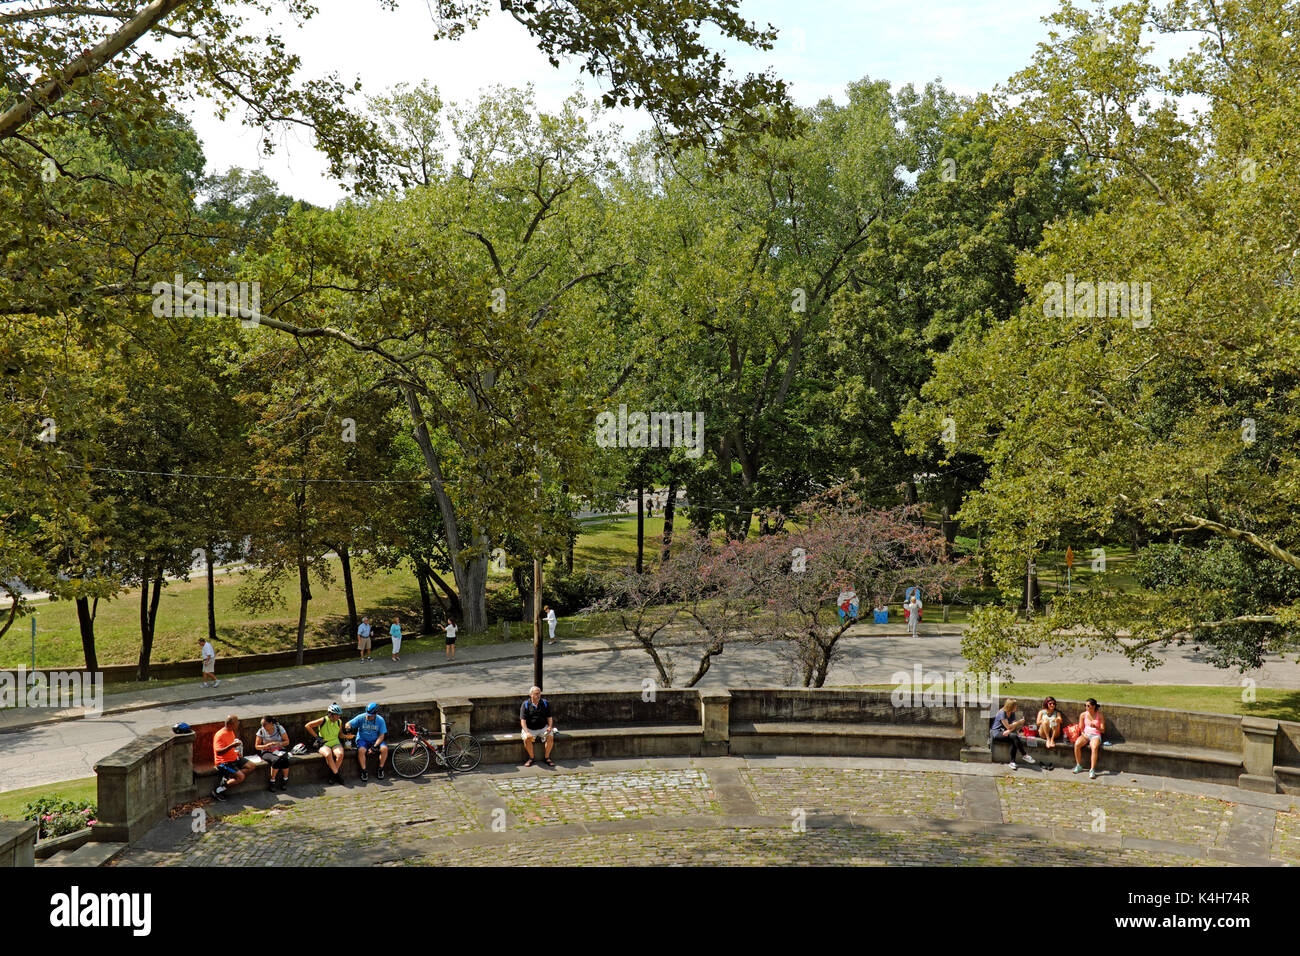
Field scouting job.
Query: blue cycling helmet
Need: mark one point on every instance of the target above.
(181, 728)
(371, 708)
(334, 709)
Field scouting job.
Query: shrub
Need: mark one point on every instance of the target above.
(58, 817)
(570, 593)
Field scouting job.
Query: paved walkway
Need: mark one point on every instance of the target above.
(734, 811)
(45, 746)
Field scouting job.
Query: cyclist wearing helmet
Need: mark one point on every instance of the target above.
(329, 729)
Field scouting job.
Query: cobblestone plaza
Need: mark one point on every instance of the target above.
(732, 811)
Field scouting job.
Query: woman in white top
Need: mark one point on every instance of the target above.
(1049, 722)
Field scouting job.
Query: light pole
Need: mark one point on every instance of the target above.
(537, 578)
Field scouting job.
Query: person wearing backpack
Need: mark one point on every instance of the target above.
(536, 720)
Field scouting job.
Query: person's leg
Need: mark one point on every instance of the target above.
(550, 743)
(383, 755)
(1078, 753)
(528, 746)
(1096, 749)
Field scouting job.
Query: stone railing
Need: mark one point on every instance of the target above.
(18, 842)
(141, 782)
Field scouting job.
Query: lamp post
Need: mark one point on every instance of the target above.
(537, 579)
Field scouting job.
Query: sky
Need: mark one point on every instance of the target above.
(823, 45)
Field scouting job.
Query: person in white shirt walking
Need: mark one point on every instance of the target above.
(913, 606)
(550, 620)
(209, 657)
(450, 628)
(363, 639)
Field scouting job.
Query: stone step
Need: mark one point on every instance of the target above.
(89, 854)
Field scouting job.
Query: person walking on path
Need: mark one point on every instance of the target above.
(209, 657)
(450, 628)
(363, 639)
(913, 607)
(536, 720)
(550, 620)
(395, 632)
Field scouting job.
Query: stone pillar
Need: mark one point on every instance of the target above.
(456, 714)
(975, 735)
(715, 708)
(1258, 739)
(179, 769)
(18, 842)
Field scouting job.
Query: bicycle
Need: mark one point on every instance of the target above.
(459, 753)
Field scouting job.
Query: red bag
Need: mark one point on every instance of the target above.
(1029, 732)
(1072, 732)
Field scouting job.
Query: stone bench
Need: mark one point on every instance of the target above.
(607, 741)
(1134, 756)
(829, 738)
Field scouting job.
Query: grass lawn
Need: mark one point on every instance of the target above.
(182, 612)
(11, 802)
(605, 543)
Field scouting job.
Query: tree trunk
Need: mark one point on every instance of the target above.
(670, 509)
(304, 595)
(452, 602)
(949, 528)
(212, 589)
(524, 585)
(426, 602)
(150, 573)
(1030, 598)
(86, 621)
(568, 557)
(345, 559)
(470, 577)
(640, 525)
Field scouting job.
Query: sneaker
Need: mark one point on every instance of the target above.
(1028, 759)
(275, 785)
(219, 793)
(284, 784)
(1078, 768)
(364, 776)
(1092, 775)
(1012, 765)
(215, 683)
(380, 774)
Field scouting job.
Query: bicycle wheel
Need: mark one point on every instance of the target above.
(463, 753)
(410, 758)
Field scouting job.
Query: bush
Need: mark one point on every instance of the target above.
(58, 817)
(570, 593)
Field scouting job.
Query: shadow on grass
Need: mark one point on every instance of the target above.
(269, 637)
(1286, 706)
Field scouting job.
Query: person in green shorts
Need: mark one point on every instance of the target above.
(330, 730)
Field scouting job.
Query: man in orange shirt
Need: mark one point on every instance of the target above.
(226, 754)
